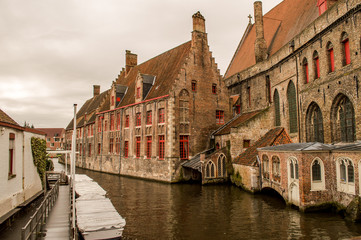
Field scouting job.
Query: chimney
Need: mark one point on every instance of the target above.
(260, 47)
(96, 90)
(199, 22)
(130, 61)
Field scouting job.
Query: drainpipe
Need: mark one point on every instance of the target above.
(260, 172)
(23, 165)
(101, 144)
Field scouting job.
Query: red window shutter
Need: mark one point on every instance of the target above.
(149, 117)
(184, 147)
(346, 45)
(317, 67)
(238, 109)
(126, 149)
(332, 59)
(118, 121)
(149, 147)
(138, 92)
(138, 119)
(137, 148)
(306, 72)
(161, 147)
(90, 150)
(161, 118)
(127, 121)
(111, 122)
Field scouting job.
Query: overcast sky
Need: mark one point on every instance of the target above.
(52, 52)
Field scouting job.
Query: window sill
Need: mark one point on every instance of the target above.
(11, 176)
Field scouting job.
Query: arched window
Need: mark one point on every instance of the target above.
(292, 107)
(331, 57)
(221, 165)
(276, 169)
(316, 171)
(265, 166)
(317, 175)
(346, 56)
(316, 65)
(345, 175)
(293, 169)
(276, 99)
(210, 169)
(342, 120)
(305, 71)
(184, 106)
(314, 124)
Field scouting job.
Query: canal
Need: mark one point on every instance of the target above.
(156, 210)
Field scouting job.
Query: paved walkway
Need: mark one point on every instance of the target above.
(58, 223)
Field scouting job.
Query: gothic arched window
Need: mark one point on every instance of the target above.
(342, 120)
(314, 124)
(292, 107)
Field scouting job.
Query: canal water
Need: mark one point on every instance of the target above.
(156, 210)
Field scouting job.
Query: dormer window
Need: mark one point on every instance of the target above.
(322, 6)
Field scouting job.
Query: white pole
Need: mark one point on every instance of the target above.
(73, 170)
(66, 162)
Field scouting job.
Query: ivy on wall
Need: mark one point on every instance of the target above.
(38, 148)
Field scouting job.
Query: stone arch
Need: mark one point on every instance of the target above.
(292, 107)
(276, 99)
(342, 120)
(314, 124)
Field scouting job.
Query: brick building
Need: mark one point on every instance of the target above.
(156, 115)
(54, 138)
(299, 66)
(312, 174)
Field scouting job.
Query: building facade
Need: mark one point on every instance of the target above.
(20, 181)
(55, 138)
(156, 115)
(300, 63)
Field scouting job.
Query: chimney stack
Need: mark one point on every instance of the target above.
(199, 22)
(96, 90)
(130, 61)
(260, 47)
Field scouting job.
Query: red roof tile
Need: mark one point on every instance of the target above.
(273, 137)
(281, 24)
(6, 118)
(51, 132)
(165, 67)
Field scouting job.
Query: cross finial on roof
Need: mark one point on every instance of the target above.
(250, 18)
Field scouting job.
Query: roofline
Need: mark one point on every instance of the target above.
(133, 104)
(248, 29)
(5, 124)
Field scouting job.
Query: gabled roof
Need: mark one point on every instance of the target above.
(235, 122)
(281, 24)
(7, 119)
(273, 137)
(52, 132)
(164, 67)
(89, 107)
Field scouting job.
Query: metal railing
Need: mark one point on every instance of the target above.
(33, 229)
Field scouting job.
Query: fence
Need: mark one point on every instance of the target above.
(33, 228)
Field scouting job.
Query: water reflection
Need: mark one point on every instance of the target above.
(185, 211)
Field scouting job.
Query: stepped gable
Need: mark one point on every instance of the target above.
(165, 67)
(235, 122)
(281, 24)
(273, 137)
(90, 106)
(7, 119)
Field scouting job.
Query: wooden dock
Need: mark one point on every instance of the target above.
(58, 224)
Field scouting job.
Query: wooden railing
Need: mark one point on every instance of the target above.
(33, 229)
